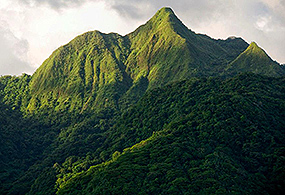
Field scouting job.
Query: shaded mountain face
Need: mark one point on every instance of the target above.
(97, 70)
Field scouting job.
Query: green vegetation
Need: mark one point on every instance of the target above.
(255, 60)
(97, 70)
(162, 110)
(205, 136)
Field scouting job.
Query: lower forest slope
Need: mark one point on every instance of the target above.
(205, 136)
(197, 136)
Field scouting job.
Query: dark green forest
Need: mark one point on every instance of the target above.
(161, 110)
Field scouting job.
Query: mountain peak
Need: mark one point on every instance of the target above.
(253, 48)
(165, 13)
(253, 44)
(165, 10)
(255, 59)
(164, 21)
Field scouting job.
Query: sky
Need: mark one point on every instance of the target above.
(30, 30)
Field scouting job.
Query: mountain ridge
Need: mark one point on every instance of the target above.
(256, 60)
(96, 70)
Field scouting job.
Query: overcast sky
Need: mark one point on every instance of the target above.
(30, 30)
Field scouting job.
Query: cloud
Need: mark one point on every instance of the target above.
(195, 10)
(13, 53)
(55, 4)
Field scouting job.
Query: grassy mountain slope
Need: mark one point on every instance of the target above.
(97, 70)
(254, 59)
(88, 69)
(204, 136)
(165, 45)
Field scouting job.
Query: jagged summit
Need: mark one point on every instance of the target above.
(165, 10)
(167, 17)
(257, 53)
(253, 44)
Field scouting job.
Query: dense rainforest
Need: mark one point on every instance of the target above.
(161, 110)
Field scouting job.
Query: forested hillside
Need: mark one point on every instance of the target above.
(162, 110)
(202, 136)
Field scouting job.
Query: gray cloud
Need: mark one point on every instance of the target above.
(55, 4)
(194, 10)
(13, 53)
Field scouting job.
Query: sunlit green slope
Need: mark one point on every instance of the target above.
(88, 69)
(97, 70)
(254, 59)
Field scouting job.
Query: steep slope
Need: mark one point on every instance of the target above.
(254, 59)
(234, 46)
(88, 69)
(97, 70)
(203, 137)
(165, 45)
(158, 50)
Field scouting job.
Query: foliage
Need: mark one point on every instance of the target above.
(206, 136)
(254, 59)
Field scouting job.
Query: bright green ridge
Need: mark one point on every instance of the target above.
(97, 70)
(254, 59)
(88, 69)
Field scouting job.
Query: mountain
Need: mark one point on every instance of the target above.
(82, 71)
(97, 70)
(161, 110)
(254, 59)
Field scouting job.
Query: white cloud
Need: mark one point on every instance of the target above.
(13, 52)
(55, 4)
(262, 23)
